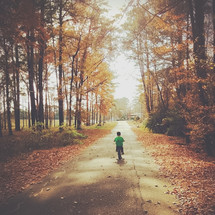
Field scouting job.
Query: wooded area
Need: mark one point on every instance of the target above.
(52, 64)
(172, 42)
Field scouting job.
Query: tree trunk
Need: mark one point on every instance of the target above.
(46, 100)
(41, 65)
(214, 49)
(92, 113)
(96, 109)
(28, 112)
(17, 92)
(155, 78)
(7, 79)
(71, 81)
(79, 102)
(60, 88)
(66, 98)
(79, 117)
(100, 113)
(88, 113)
(0, 125)
(141, 67)
(54, 115)
(70, 94)
(197, 21)
(30, 53)
(5, 113)
(0, 118)
(149, 82)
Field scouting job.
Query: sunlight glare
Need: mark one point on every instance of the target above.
(125, 72)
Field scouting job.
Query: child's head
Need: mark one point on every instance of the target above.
(118, 133)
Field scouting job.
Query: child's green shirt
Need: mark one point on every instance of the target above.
(119, 141)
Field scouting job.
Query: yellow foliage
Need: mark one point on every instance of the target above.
(162, 50)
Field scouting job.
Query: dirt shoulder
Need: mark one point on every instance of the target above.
(191, 173)
(19, 172)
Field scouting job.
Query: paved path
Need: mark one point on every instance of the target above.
(95, 183)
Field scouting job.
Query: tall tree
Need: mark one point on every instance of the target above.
(17, 89)
(41, 61)
(60, 67)
(7, 83)
(197, 20)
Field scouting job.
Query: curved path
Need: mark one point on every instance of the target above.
(95, 183)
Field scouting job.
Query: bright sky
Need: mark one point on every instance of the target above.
(126, 74)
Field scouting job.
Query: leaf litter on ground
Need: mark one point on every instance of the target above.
(19, 172)
(191, 173)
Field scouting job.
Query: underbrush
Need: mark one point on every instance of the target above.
(29, 140)
(168, 122)
(33, 139)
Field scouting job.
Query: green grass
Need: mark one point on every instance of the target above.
(140, 125)
(29, 140)
(107, 125)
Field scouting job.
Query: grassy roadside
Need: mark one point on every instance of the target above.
(30, 167)
(29, 140)
(192, 173)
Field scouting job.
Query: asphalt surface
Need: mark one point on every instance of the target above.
(96, 183)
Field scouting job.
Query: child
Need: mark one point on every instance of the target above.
(119, 144)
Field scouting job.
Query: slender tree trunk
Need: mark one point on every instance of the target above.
(0, 117)
(50, 115)
(23, 118)
(142, 72)
(79, 119)
(14, 85)
(41, 64)
(213, 88)
(17, 108)
(0, 126)
(5, 113)
(70, 94)
(96, 109)
(100, 113)
(54, 115)
(30, 53)
(71, 81)
(88, 115)
(79, 102)
(149, 87)
(76, 110)
(28, 116)
(7, 78)
(66, 97)
(93, 119)
(155, 78)
(16, 89)
(60, 88)
(77, 94)
(46, 100)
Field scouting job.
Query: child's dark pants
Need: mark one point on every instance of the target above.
(122, 150)
(119, 149)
